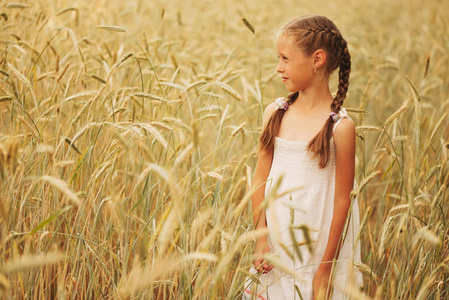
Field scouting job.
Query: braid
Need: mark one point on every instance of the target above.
(343, 77)
(292, 97)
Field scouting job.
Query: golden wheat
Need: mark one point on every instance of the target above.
(130, 148)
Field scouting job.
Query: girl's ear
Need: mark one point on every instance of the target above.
(319, 58)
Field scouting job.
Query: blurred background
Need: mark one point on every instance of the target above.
(129, 131)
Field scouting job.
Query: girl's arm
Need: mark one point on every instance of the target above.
(259, 216)
(260, 177)
(344, 141)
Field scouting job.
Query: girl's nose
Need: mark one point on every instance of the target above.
(279, 68)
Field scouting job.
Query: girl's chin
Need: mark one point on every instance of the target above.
(292, 90)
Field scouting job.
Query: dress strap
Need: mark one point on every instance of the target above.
(343, 114)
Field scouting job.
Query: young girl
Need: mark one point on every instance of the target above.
(307, 153)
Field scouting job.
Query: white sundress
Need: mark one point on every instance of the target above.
(311, 205)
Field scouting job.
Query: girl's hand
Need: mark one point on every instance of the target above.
(322, 282)
(260, 249)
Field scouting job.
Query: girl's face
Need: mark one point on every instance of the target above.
(295, 67)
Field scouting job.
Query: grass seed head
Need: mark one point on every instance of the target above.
(111, 28)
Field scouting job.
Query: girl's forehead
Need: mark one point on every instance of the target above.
(286, 42)
(284, 37)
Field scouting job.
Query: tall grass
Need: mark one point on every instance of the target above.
(128, 136)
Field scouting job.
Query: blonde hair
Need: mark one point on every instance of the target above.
(309, 34)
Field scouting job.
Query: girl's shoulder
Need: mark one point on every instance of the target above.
(344, 127)
(269, 110)
(279, 103)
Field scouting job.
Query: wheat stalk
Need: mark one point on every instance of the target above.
(153, 132)
(17, 5)
(5, 98)
(229, 90)
(365, 269)
(63, 187)
(368, 179)
(383, 238)
(360, 129)
(149, 96)
(111, 28)
(395, 115)
(19, 75)
(26, 262)
(80, 95)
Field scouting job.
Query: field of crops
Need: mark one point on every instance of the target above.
(129, 131)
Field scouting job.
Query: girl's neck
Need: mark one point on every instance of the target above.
(314, 99)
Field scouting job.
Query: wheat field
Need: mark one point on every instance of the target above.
(129, 131)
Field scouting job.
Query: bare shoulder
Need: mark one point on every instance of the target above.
(344, 134)
(268, 112)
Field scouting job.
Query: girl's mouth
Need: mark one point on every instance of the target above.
(284, 79)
